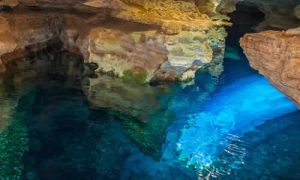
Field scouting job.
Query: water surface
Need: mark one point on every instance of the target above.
(55, 124)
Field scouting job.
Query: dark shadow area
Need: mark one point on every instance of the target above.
(80, 127)
(246, 17)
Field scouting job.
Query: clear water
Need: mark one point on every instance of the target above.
(236, 127)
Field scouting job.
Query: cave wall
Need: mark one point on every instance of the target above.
(166, 40)
(274, 51)
(276, 55)
(152, 40)
(280, 14)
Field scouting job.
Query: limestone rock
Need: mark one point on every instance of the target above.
(114, 48)
(297, 11)
(295, 31)
(11, 3)
(88, 6)
(227, 6)
(169, 40)
(276, 55)
(121, 45)
(170, 14)
(7, 41)
(22, 33)
(278, 14)
(120, 52)
(189, 51)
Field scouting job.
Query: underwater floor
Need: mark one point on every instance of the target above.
(237, 127)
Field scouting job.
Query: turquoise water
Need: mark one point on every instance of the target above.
(55, 124)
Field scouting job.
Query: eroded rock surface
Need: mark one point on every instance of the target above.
(23, 33)
(166, 40)
(276, 55)
(278, 13)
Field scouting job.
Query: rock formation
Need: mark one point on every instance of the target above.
(297, 11)
(143, 109)
(166, 40)
(23, 33)
(279, 14)
(136, 40)
(276, 55)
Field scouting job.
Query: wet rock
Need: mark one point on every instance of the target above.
(117, 35)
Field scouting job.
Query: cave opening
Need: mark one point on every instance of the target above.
(245, 19)
(49, 63)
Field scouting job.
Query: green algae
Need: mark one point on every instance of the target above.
(135, 76)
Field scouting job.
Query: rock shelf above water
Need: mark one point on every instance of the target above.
(276, 55)
(167, 40)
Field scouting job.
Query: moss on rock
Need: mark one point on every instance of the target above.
(135, 76)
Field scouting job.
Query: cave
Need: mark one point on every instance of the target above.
(128, 89)
(245, 19)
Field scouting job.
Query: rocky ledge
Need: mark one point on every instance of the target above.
(276, 55)
(151, 40)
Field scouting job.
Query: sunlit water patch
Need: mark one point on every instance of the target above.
(232, 111)
(207, 136)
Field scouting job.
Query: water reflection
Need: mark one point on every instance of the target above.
(57, 123)
(143, 109)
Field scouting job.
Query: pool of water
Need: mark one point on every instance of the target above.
(55, 125)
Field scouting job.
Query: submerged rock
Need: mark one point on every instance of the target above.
(143, 109)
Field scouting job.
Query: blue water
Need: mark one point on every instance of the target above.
(235, 127)
(234, 109)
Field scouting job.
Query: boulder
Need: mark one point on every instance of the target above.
(276, 55)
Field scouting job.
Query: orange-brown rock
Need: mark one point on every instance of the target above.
(89, 6)
(170, 38)
(21, 33)
(115, 45)
(276, 55)
(172, 16)
(7, 41)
